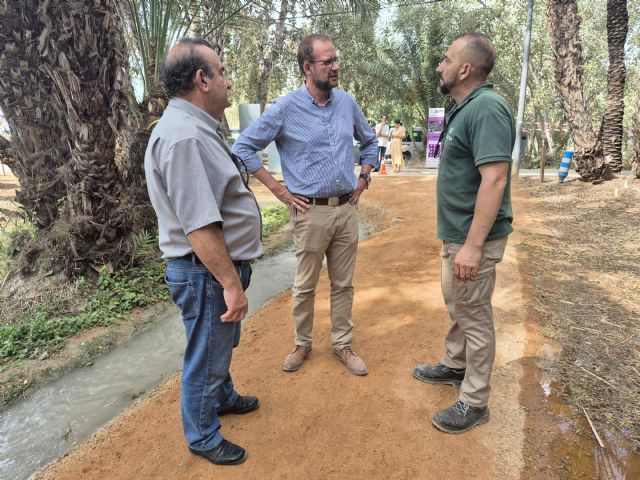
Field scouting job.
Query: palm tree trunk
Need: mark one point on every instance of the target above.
(65, 84)
(564, 25)
(635, 161)
(612, 133)
(274, 53)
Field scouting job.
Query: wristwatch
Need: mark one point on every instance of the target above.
(366, 177)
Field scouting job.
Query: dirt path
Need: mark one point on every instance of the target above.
(322, 422)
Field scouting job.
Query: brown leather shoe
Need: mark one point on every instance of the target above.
(296, 358)
(353, 362)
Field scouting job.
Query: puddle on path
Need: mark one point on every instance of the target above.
(40, 429)
(576, 451)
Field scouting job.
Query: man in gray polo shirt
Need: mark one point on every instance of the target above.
(209, 229)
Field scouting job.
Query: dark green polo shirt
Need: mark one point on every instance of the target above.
(479, 130)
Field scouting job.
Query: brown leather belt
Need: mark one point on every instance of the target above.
(331, 201)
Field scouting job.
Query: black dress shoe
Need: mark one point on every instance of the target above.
(243, 405)
(226, 453)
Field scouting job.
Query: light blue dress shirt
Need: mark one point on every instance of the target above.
(315, 143)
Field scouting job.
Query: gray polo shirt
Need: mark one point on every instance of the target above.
(193, 182)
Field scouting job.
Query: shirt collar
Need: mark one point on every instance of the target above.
(307, 94)
(194, 110)
(473, 94)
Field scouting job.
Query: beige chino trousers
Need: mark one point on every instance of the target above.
(332, 232)
(471, 341)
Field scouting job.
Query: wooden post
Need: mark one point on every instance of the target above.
(543, 159)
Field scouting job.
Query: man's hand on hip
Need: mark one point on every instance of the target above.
(294, 202)
(465, 265)
(237, 304)
(282, 193)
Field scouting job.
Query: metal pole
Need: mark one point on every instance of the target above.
(515, 155)
(543, 159)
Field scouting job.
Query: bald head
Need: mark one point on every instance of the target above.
(181, 64)
(478, 50)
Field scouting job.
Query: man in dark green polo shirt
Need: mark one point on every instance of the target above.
(474, 221)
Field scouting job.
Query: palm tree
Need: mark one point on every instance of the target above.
(152, 25)
(635, 161)
(564, 25)
(65, 86)
(611, 131)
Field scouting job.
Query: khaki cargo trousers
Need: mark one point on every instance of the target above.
(471, 341)
(332, 232)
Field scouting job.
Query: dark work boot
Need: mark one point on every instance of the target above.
(460, 417)
(439, 373)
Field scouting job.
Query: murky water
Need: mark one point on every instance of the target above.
(579, 453)
(54, 418)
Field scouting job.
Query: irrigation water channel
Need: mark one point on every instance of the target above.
(43, 427)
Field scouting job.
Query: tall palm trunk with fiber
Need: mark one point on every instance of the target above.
(612, 134)
(65, 88)
(564, 25)
(635, 161)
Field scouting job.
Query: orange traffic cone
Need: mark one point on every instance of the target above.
(383, 169)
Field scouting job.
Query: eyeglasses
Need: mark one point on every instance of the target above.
(330, 62)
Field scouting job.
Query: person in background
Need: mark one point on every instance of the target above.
(397, 136)
(382, 135)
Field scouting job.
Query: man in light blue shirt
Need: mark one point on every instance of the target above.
(314, 127)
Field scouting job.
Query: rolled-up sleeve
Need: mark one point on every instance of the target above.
(264, 130)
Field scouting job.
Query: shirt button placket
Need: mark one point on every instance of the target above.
(332, 141)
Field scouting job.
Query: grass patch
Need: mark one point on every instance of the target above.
(273, 218)
(14, 234)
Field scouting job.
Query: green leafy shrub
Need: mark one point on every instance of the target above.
(117, 293)
(273, 218)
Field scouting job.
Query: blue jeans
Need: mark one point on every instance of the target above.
(380, 159)
(206, 383)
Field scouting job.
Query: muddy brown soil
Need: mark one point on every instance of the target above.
(322, 422)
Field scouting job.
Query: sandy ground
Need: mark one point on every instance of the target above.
(324, 423)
